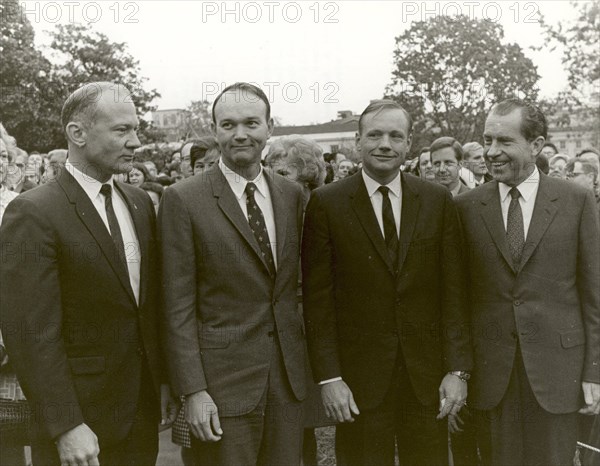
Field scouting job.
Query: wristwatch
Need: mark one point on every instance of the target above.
(462, 375)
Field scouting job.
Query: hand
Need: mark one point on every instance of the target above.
(78, 447)
(453, 396)
(202, 416)
(168, 407)
(338, 401)
(591, 395)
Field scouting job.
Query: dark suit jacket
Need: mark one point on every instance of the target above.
(69, 317)
(550, 305)
(220, 303)
(358, 311)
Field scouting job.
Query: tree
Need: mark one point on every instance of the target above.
(85, 55)
(450, 70)
(579, 103)
(28, 97)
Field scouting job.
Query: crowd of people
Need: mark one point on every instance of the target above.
(245, 298)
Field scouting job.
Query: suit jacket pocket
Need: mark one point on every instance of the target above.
(214, 339)
(572, 338)
(87, 365)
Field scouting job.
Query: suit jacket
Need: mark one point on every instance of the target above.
(74, 333)
(549, 305)
(359, 311)
(221, 305)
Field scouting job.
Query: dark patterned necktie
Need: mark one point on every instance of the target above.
(515, 231)
(256, 220)
(113, 224)
(389, 225)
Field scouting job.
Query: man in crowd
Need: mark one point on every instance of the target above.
(557, 166)
(384, 302)
(536, 304)
(230, 255)
(56, 162)
(446, 159)
(79, 289)
(475, 164)
(549, 150)
(6, 195)
(186, 168)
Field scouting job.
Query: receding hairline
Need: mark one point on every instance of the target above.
(82, 103)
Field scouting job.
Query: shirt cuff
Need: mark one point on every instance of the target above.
(335, 379)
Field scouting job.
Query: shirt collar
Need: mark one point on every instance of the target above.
(238, 183)
(90, 185)
(527, 188)
(372, 186)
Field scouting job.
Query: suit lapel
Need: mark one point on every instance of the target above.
(543, 213)
(141, 226)
(230, 207)
(361, 203)
(492, 217)
(408, 219)
(279, 212)
(89, 217)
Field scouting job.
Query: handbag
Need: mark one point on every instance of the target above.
(14, 408)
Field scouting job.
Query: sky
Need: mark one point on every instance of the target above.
(312, 58)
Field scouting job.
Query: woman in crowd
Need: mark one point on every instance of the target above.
(138, 174)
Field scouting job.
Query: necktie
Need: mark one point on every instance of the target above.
(113, 224)
(515, 232)
(389, 226)
(256, 220)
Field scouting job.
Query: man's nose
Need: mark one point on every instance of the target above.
(384, 143)
(493, 150)
(240, 133)
(134, 142)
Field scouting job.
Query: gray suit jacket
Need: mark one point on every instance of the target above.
(220, 304)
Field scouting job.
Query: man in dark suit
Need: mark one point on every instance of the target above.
(446, 159)
(534, 262)
(79, 294)
(230, 253)
(384, 302)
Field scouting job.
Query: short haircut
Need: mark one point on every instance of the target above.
(470, 148)
(201, 147)
(588, 167)
(552, 146)
(244, 88)
(83, 103)
(533, 121)
(443, 143)
(557, 157)
(381, 105)
(423, 150)
(305, 154)
(588, 149)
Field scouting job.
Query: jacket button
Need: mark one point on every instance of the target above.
(517, 302)
(141, 351)
(514, 335)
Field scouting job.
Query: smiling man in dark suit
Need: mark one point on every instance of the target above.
(384, 302)
(534, 255)
(79, 294)
(230, 242)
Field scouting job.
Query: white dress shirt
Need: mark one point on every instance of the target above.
(528, 190)
(262, 196)
(133, 254)
(395, 195)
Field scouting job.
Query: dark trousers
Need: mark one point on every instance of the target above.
(400, 420)
(139, 447)
(519, 432)
(271, 434)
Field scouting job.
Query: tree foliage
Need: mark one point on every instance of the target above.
(450, 70)
(34, 87)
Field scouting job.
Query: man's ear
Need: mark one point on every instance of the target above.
(537, 145)
(409, 141)
(270, 126)
(357, 141)
(213, 129)
(76, 133)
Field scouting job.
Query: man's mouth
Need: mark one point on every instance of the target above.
(499, 164)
